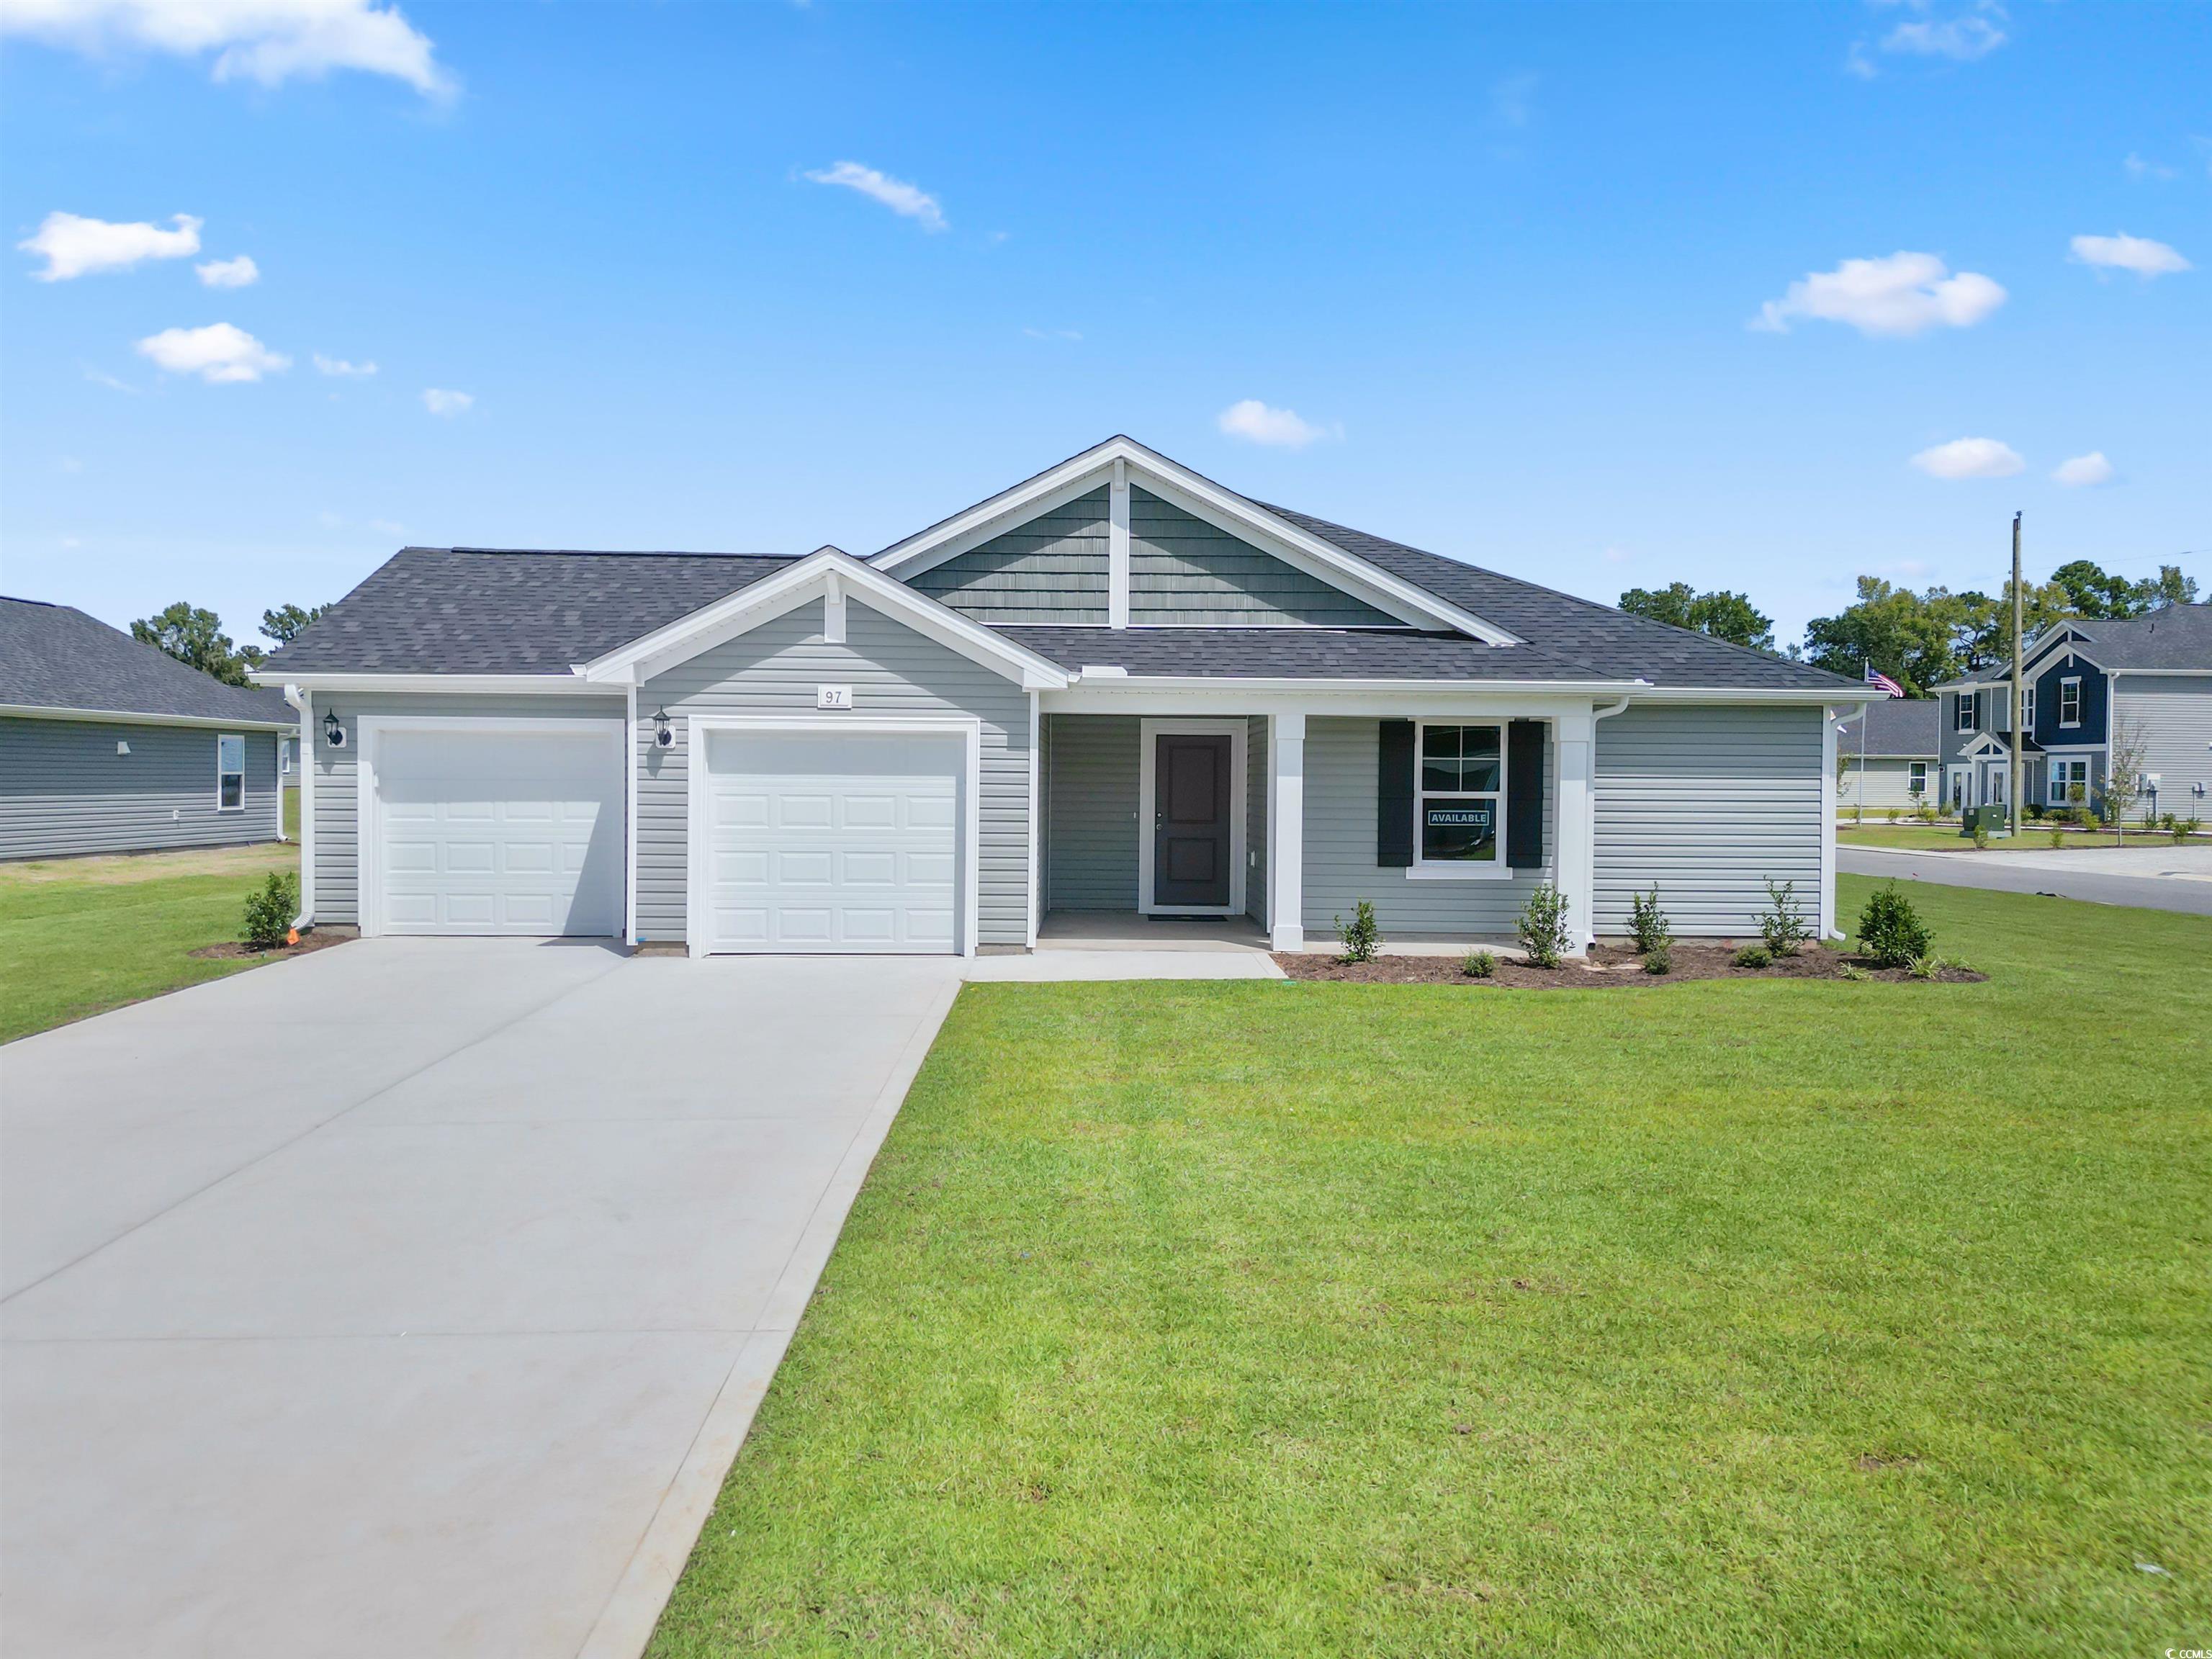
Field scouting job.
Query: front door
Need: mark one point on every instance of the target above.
(1191, 850)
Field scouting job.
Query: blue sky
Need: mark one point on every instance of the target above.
(1562, 290)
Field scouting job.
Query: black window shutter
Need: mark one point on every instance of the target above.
(1393, 795)
(1525, 795)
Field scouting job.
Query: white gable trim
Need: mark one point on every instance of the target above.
(1124, 458)
(835, 578)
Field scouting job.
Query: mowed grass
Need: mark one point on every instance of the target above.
(1718, 1318)
(2032, 838)
(79, 936)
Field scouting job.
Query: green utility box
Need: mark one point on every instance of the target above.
(1995, 819)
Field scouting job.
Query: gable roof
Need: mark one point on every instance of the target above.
(56, 657)
(1911, 727)
(2175, 640)
(500, 611)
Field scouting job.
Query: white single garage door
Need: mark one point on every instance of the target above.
(839, 841)
(505, 831)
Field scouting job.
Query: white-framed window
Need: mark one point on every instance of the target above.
(2065, 775)
(1459, 797)
(1916, 777)
(284, 755)
(1963, 719)
(230, 773)
(2069, 701)
(2028, 708)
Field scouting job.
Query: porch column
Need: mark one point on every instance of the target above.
(1286, 831)
(1576, 830)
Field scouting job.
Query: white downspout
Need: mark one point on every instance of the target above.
(305, 702)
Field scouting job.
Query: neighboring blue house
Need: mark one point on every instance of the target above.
(1117, 686)
(2147, 679)
(108, 745)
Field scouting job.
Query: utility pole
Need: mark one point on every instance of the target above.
(2019, 609)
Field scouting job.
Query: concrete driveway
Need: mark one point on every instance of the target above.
(412, 1297)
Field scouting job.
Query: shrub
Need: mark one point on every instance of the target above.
(1360, 936)
(269, 909)
(1892, 814)
(1781, 924)
(2182, 829)
(2167, 822)
(2058, 837)
(1647, 923)
(1753, 956)
(2035, 811)
(1981, 838)
(1543, 926)
(1479, 964)
(2079, 816)
(1659, 959)
(1856, 975)
(1890, 929)
(1925, 967)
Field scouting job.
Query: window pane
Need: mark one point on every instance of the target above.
(1461, 831)
(1439, 773)
(233, 789)
(230, 754)
(1440, 741)
(1479, 775)
(1479, 740)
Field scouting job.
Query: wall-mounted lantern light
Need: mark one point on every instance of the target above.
(333, 734)
(663, 735)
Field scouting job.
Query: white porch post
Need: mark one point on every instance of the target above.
(1576, 830)
(1286, 831)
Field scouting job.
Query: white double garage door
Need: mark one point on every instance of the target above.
(800, 841)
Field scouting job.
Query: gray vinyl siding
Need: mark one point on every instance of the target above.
(337, 827)
(1340, 783)
(1050, 570)
(1709, 802)
(774, 669)
(1185, 571)
(1255, 819)
(1092, 765)
(1887, 783)
(2174, 718)
(65, 791)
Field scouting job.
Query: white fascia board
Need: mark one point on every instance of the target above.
(1200, 496)
(1741, 693)
(124, 717)
(1378, 698)
(505, 684)
(799, 584)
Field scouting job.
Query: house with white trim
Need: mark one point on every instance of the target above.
(1117, 687)
(2147, 677)
(1892, 755)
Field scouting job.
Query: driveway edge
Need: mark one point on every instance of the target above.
(626, 1623)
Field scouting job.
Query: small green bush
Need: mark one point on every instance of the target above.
(2184, 829)
(1659, 959)
(1781, 924)
(1890, 929)
(2058, 838)
(1892, 815)
(1360, 936)
(269, 909)
(1981, 838)
(1753, 956)
(1856, 975)
(1927, 967)
(1647, 923)
(1543, 926)
(1478, 965)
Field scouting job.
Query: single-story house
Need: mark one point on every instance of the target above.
(2147, 678)
(1117, 686)
(109, 746)
(1892, 755)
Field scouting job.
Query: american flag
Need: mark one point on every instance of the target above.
(1884, 682)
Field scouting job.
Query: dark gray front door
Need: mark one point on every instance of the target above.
(1191, 847)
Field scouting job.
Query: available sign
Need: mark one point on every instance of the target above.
(1479, 816)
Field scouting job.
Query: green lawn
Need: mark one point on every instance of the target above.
(81, 935)
(1713, 1318)
(1945, 838)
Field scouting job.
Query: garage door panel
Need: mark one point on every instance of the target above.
(499, 831)
(843, 842)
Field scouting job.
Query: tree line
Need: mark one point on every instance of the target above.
(1919, 640)
(193, 635)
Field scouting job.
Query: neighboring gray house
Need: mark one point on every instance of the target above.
(1896, 760)
(108, 745)
(2148, 678)
(1116, 687)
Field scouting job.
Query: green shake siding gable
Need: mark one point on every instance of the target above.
(1050, 570)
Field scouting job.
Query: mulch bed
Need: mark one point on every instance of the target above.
(315, 938)
(1607, 966)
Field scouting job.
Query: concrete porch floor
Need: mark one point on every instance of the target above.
(1095, 930)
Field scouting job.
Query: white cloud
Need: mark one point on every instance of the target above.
(908, 201)
(1970, 458)
(1962, 38)
(1616, 556)
(2139, 168)
(101, 377)
(2084, 469)
(1054, 333)
(72, 245)
(241, 272)
(1281, 429)
(267, 42)
(386, 527)
(1905, 294)
(448, 403)
(340, 367)
(218, 354)
(2124, 252)
(1513, 100)
(1857, 62)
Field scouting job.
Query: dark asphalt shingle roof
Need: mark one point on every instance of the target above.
(55, 656)
(482, 611)
(1293, 654)
(2180, 636)
(1909, 727)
